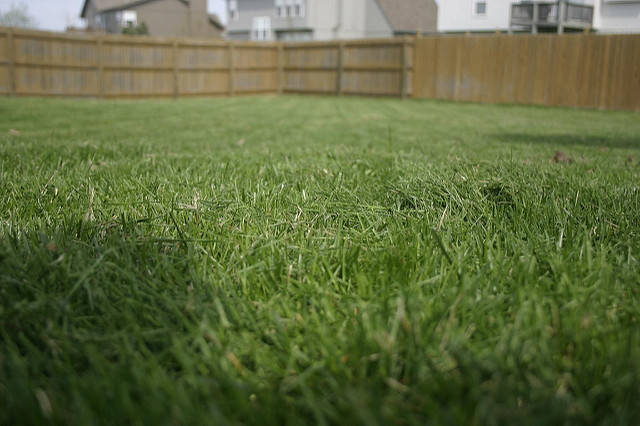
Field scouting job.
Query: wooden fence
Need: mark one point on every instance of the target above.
(368, 67)
(579, 70)
(52, 64)
(584, 70)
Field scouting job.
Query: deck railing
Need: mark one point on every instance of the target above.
(559, 14)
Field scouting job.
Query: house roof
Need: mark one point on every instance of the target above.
(215, 21)
(108, 5)
(410, 15)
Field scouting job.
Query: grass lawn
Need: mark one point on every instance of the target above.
(317, 260)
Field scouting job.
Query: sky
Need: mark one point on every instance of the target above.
(57, 15)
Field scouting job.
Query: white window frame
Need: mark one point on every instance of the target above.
(232, 10)
(298, 8)
(281, 11)
(475, 8)
(261, 28)
(129, 19)
(290, 8)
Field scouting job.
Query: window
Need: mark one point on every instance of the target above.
(286, 8)
(480, 8)
(129, 19)
(280, 8)
(261, 28)
(233, 10)
(298, 7)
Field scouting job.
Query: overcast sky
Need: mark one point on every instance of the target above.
(56, 15)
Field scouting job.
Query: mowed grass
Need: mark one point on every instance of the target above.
(310, 260)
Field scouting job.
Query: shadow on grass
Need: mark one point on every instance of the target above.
(558, 140)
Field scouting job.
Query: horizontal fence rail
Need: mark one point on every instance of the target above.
(583, 70)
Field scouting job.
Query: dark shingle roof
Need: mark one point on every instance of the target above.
(215, 21)
(410, 15)
(105, 5)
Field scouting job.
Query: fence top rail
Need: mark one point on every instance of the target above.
(51, 35)
(204, 43)
(505, 35)
(398, 41)
(213, 43)
(133, 40)
(253, 44)
(311, 45)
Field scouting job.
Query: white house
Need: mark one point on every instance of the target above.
(604, 16)
(328, 19)
(473, 15)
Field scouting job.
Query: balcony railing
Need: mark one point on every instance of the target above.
(579, 13)
(551, 14)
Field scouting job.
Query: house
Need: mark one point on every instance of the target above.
(328, 19)
(458, 16)
(169, 18)
(604, 16)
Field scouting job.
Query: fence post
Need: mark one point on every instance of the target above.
(100, 57)
(231, 70)
(404, 79)
(339, 88)
(12, 60)
(176, 89)
(457, 90)
(604, 87)
(280, 68)
(416, 71)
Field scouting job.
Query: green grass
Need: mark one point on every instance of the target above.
(317, 260)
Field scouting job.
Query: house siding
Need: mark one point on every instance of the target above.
(240, 29)
(612, 17)
(324, 19)
(165, 18)
(377, 24)
(458, 15)
(353, 19)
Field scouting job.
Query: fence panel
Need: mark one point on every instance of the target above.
(624, 69)
(5, 63)
(372, 69)
(203, 69)
(311, 68)
(579, 70)
(58, 65)
(137, 67)
(369, 67)
(256, 69)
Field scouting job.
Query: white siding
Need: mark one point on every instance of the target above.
(458, 16)
(617, 17)
(325, 19)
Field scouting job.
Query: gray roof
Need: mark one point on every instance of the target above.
(410, 15)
